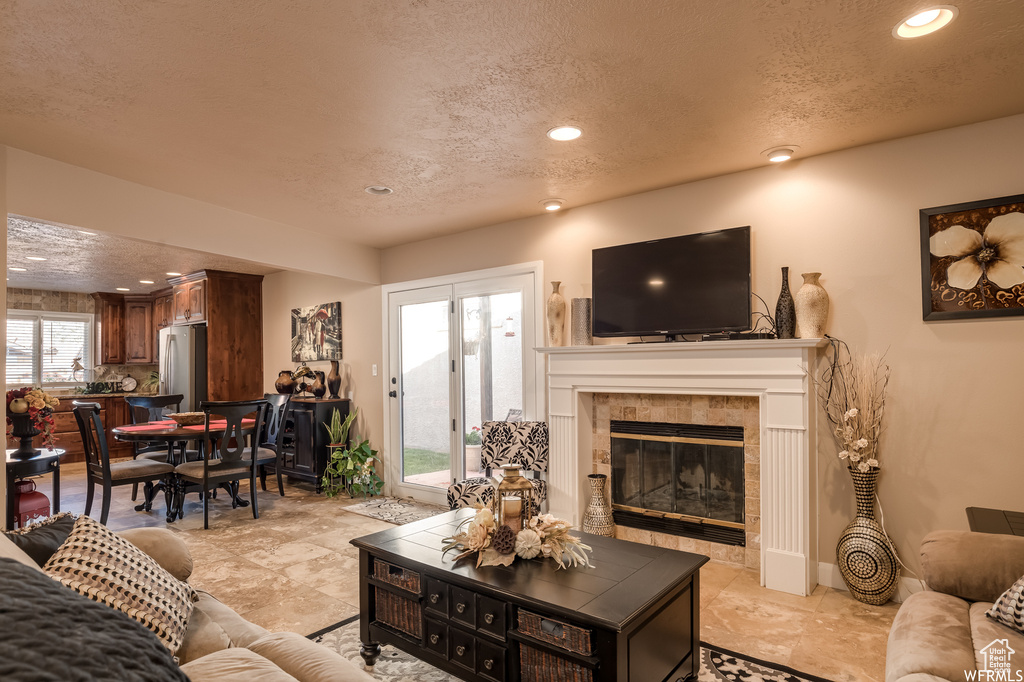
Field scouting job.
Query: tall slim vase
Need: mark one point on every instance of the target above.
(785, 313)
(865, 556)
(582, 334)
(334, 380)
(597, 518)
(556, 316)
(811, 302)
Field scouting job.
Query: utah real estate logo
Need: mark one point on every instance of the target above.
(997, 656)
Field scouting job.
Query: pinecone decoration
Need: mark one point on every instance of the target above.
(504, 540)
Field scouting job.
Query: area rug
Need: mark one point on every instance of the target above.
(716, 664)
(395, 510)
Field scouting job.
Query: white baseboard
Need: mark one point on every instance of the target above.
(829, 576)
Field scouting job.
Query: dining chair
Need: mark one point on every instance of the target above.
(274, 441)
(100, 470)
(151, 408)
(522, 443)
(227, 459)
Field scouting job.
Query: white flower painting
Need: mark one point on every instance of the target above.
(973, 259)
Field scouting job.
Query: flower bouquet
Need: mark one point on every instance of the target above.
(494, 545)
(38, 405)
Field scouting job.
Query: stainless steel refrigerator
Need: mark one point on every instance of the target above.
(183, 364)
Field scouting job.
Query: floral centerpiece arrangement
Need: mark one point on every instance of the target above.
(39, 407)
(544, 536)
(851, 391)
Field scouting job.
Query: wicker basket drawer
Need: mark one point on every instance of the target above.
(400, 613)
(540, 666)
(564, 635)
(396, 575)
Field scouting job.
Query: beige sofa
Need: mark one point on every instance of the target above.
(221, 645)
(941, 633)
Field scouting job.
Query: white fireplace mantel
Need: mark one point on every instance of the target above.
(775, 371)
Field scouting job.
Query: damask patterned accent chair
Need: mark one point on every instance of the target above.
(524, 444)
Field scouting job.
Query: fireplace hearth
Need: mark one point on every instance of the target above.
(681, 479)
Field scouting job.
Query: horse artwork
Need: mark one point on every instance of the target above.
(316, 333)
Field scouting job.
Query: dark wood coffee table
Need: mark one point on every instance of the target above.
(633, 617)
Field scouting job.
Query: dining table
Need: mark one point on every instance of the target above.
(174, 434)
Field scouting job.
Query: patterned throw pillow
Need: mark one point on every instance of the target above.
(40, 540)
(106, 568)
(1009, 608)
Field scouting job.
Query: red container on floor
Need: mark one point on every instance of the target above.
(29, 503)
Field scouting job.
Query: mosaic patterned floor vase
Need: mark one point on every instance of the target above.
(866, 557)
(716, 664)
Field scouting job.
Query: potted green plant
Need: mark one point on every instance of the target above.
(349, 469)
(473, 444)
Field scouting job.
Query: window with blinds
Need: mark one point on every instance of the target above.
(42, 348)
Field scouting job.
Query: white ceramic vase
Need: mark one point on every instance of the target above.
(811, 302)
(556, 316)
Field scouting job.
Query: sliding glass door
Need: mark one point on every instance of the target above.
(457, 358)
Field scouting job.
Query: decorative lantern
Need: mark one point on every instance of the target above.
(515, 498)
(29, 503)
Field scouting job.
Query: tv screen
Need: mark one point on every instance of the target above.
(694, 284)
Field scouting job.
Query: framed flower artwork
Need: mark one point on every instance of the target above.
(972, 259)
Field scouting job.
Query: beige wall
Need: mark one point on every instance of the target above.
(42, 188)
(360, 339)
(957, 388)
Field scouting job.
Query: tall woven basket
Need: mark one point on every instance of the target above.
(866, 558)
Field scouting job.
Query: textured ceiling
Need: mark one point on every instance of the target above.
(287, 109)
(88, 263)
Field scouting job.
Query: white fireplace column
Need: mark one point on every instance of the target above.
(775, 371)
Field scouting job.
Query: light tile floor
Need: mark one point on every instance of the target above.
(294, 569)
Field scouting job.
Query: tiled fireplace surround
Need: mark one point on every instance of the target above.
(717, 410)
(724, 382)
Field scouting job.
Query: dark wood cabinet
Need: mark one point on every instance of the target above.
(189, 298)
(110, 328)
(139, 329)
(308, 456)
(163, 309)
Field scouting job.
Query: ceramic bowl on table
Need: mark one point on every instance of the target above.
(188, 418)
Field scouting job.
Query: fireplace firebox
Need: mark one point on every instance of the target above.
(683, 479)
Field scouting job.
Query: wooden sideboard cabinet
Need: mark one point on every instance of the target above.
(307, 457)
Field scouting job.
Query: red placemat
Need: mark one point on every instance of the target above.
(220, 424)
(148, 427)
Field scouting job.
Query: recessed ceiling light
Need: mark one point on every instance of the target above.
(173, 274)
(378, 190)
(91, 234)
(18, 269)
(146, 281)
(123, 289)
(34, 258)
(780, 154)
(564, 133)
(924, 22)
(552, 204)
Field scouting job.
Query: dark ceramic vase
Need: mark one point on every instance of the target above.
(785, 311)
(334, 380)
(285, 384)
(318, 389)
(23, 429)
(865, 555)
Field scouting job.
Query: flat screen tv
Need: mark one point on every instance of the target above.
(693, 284)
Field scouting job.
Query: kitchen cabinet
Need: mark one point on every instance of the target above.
(190, 300)
(231, 305)
(163, 309)
(139, 329)
(110, 329)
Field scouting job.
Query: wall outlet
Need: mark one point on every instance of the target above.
(374, 367)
